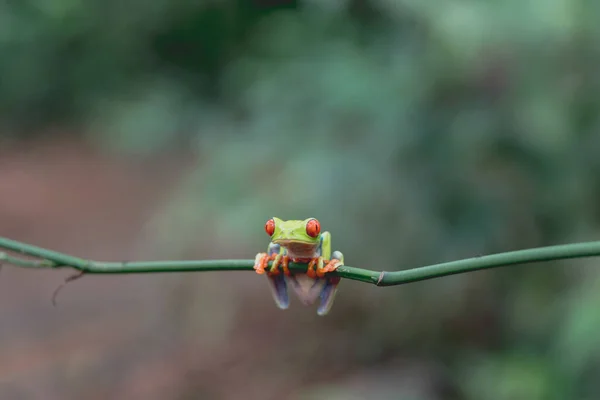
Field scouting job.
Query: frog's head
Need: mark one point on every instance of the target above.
(284, 233)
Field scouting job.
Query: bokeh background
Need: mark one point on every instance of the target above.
(416, 131)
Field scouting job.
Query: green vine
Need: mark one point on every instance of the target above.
(48, 259)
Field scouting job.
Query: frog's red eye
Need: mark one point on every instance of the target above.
(270, 227)
(313, 228)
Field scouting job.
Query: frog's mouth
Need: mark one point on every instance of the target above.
(298, 248)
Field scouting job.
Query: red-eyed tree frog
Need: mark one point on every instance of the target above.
(301, 242)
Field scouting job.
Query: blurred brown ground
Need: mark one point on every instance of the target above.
(62, 195)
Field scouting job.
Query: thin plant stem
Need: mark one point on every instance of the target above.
(48, 259)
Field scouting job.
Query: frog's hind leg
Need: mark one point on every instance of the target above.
(276, 279)
(330, 288)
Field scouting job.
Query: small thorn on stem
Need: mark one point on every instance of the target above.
(381, 276)
(71, 278)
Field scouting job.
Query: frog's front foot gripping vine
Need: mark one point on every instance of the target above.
(279, 260)
(331, 266)
(318, 267)
(261, 262)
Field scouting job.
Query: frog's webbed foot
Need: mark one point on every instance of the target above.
(277, 281)
(331, 283)
(331, 265)
(328, 294)
(317, 267)
(261, 262)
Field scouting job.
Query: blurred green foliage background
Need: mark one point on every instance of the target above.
(416, 131)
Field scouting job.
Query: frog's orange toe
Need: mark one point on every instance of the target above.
(261, 262)
(310, 272)
(331, 266)
(285, 261)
